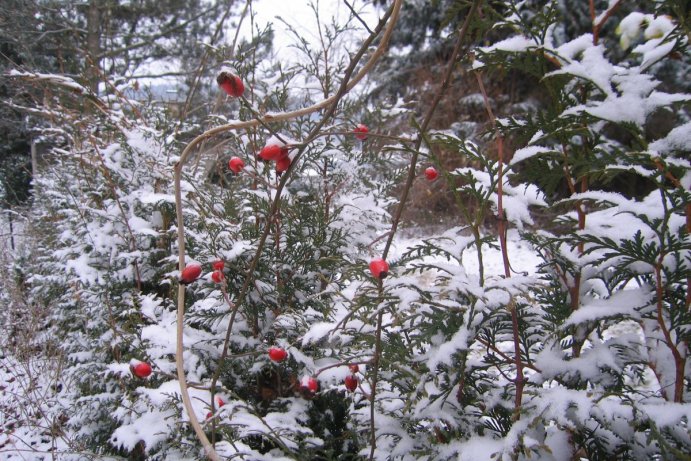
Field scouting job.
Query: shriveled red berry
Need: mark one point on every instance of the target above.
(209, 415)
(282, 164)
(217, 276)
(379, 268)
(273, 152)
(218, 265)
(354, 368)
(351, 382)
(140, 369)
(231, 84)
(190, 273)
(236, 164)
(309, 383)
(220, 402)
(431, 173)
(277, 354)
(361, 132)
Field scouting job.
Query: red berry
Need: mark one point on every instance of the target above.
(140, 369)
(361, 132)
(218, 265)
(351, 382)
(209, 415)
(431, 173)
(379, 268)
(220, 402)
(282, 164)
(231, 84)
(277, 354)
(310, 384)
(236, 164)
(217, 276)
(190, 273)
(273, 152)
(354, 368)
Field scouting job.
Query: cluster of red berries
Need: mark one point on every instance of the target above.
(308, 384)
(276, 153)
(217, 275)
(192, 271)
(220, 401)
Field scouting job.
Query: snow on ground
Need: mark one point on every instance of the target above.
(523, 258)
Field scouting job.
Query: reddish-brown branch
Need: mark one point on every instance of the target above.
(679, 361)
(575, 287)
(502, 230)
(504, 355)
(598, 27)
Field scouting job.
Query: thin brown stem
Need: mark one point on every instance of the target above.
(574, 287)
(598, 27)
(375, 377)
(502, 231)
(504, 355)
(679, 360)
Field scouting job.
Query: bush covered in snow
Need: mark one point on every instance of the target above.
(454, 353)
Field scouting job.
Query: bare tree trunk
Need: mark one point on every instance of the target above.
(34, 159)
(9, 219)
(93, 43)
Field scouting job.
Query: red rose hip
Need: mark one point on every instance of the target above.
(190, 273)
(310, 384)
(379, 268)
(361, 132)
(354, 368)
(273, 152)
(277, 354)
(236, 165)
(282, 164)
(351, 382)
(217, 276)
(230, 83)
(140, 369)
(218, 265)
(431, 173)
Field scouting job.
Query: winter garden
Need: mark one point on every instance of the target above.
(408, 230)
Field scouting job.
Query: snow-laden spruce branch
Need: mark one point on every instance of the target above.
(389, 20)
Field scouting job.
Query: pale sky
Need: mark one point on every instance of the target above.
(300, 15)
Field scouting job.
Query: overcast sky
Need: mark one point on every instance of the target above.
(300, 15)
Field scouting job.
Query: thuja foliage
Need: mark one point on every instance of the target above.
(586, 359)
